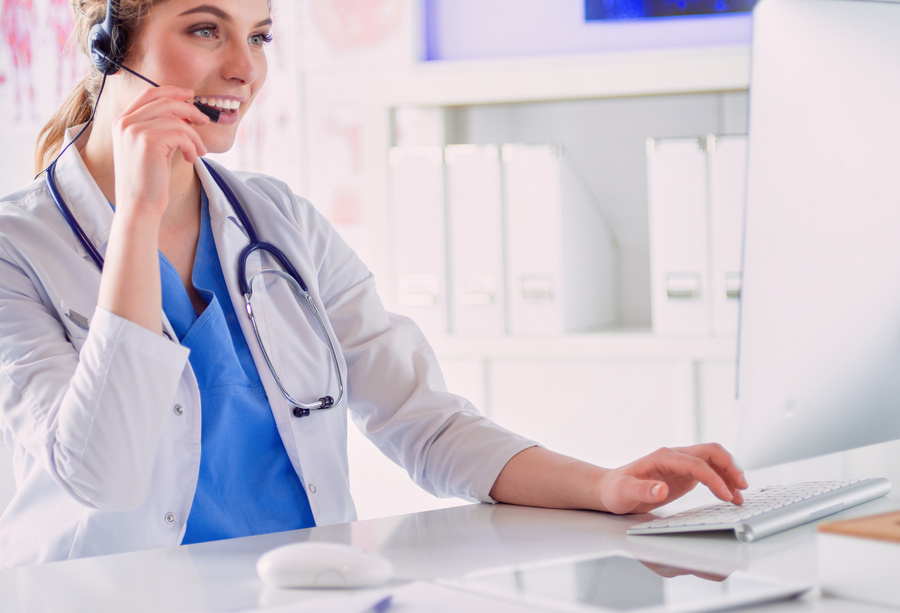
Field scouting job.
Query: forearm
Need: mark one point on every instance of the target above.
(539, 477)
(130, 285)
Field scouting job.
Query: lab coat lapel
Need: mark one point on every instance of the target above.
(83, 197)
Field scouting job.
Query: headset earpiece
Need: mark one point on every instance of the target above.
(107, 41)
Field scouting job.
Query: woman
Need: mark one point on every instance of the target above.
(104, 374)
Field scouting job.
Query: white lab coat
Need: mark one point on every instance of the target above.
(104, 421)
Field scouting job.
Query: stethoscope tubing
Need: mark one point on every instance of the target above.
(301, 409)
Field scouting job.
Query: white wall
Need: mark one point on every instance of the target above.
(467, 29)
(7, 483)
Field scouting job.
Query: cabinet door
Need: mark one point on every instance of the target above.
(717, 402)
(602, 411)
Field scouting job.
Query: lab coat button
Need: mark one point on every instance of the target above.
(312, 488)
(178, 409)
(170, 518)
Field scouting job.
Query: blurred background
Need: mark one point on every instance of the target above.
(551, 188)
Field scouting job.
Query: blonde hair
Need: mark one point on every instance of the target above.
(78, 106)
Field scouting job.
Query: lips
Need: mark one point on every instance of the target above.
(219, 104)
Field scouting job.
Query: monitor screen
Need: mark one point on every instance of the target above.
(819, 340)
(595, 10)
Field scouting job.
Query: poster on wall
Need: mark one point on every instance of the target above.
(346, 43)
(38, 65)
(603, 10)
(38, 69)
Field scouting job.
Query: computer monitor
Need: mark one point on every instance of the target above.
(819, 340)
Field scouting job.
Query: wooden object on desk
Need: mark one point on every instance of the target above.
(858, 558)
(883, 527)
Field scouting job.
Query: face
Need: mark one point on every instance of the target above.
(214, 47)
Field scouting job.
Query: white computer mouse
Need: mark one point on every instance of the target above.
(314, 564)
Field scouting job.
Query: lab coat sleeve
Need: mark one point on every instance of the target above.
(396, 390)
(92, 419)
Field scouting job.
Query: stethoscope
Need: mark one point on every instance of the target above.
(289, 272)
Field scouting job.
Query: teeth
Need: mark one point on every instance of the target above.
(218, 103)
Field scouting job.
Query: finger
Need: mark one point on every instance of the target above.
(159, 132)
(163, 107)
(721, 461)
(155, 102)
(684, 463)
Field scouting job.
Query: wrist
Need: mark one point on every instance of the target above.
(137, 218)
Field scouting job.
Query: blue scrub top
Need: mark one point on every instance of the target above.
(247, 484)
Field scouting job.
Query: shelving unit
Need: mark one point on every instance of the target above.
(455, 85)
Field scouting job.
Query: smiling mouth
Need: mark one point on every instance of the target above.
(219, 104)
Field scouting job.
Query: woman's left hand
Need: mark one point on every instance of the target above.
(668, 474)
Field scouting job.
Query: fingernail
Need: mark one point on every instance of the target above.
(654, 491)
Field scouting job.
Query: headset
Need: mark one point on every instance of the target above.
(108, 41)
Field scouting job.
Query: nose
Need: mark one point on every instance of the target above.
(239, 63)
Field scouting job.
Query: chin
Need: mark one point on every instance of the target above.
(219, 145)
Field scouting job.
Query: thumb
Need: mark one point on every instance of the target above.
(634, 493)
(652, 491)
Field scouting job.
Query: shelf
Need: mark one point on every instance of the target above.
(624, 345)
(632, 73)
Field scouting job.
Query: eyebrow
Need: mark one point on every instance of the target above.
(217, 12)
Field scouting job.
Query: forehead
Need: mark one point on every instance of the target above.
(237, 11)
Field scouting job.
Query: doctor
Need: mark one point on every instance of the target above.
(142, 407)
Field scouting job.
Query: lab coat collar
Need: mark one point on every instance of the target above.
(220, 210)
(83, 196)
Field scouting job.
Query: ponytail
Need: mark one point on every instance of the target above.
(76, 109)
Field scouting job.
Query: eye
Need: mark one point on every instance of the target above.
(204, 31)
(259, 40)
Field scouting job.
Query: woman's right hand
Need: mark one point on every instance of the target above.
(151, 132)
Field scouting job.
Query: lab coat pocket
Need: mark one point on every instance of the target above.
(75, 324)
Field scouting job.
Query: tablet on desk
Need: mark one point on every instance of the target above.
(616, 581)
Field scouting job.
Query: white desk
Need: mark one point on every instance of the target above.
(442, 544)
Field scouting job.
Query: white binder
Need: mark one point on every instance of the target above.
(562, 257)
(418, 224)
(727, 186)
(679, 235)
(475, 237)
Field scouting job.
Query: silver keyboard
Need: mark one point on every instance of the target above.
(770, 509)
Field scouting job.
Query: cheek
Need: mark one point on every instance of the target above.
(171, 69)
(261, 73)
